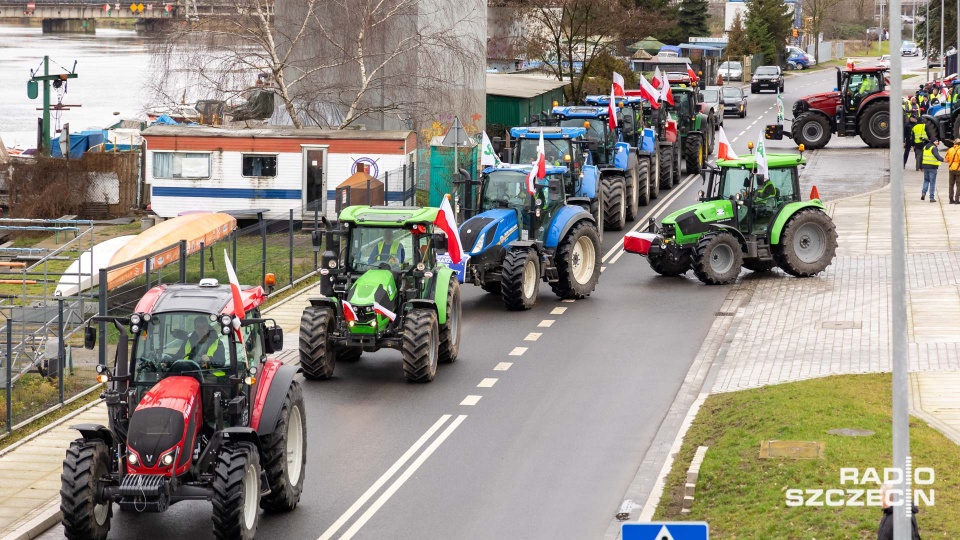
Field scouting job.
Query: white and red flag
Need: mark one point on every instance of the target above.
(692, 73)
(539, 169)
(446, 221)
(349, 313)
(380, 309)
(649, 92)
(235, 291)
(666, 92)
(611, 111)
(657, 83)
(724, 149)
(618, 85)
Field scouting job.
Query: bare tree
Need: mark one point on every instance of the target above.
(818, 10)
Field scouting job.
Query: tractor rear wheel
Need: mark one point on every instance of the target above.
(285, 454)
(318, 356)
(664, 265)
(83, 517)
(718, 258)
(666, 168)
(634, 187)
(808, 243)
(578, 262)
(614, 202)
(874, 124)
(236, 493)
(756, 265)
(675, 178)
(643, 185)
(812, 130)
(693, 150)
(421, 341)
(450, 331)
(520, 279)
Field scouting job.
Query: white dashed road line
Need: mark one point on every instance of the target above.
(518, 351)
(487, 383)
(503, 366)
(558, 311)
(470, 401)
(532, 336)
(546, 323)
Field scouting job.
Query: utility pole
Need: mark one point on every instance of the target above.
(943, 57)
(926, 43)
(32, 91)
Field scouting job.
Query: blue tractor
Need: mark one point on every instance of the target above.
(519, 239)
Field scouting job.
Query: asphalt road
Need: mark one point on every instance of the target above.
(535, 432)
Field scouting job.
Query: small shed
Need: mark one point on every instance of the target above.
(359, 188)
(513, 99)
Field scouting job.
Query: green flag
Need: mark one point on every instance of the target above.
(779, 108)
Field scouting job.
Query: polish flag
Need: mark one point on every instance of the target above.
(656, 78)
(377, 308)
(724, 150)
(618, 84)
(611, 111)
(649, 92)
(446, 221)
(667, 93)
(539, 169)
(692, 73)
(235, 290)
(348, 312)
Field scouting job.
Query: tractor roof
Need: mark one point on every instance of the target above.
(200, 298)
(580, 111)
(864, 69)
(621, 100)
(388, 216)
(774, 161)
(548, 132)
(525, 169)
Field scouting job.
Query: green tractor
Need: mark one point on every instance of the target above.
(695, 129)
(744, 219)
(382, 286)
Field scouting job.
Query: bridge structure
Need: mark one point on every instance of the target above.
(81, 16)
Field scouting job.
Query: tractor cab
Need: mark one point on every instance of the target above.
(630, 117)
(563, 147)
(594, 120)
(856, 85)
(506, 188)
(758, 197)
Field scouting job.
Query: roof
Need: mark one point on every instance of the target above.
(605, 100)
(388, 216)
(865, 69)
(579, 111)
(190, 297)
(548, 132)
(520, 86)
(773, 161)
(524, 169)
(273, 132)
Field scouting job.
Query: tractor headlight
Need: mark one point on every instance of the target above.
(225, 320)
(146, 317)
(167, 459)
(225, 330)
(134, 329)
(351, 324)
(373, 323)
(135, 319)
(479, 245)
(132, 459)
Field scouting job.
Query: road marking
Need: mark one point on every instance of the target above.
(546, 323)
(532, 336)
(518, 351)
(386, 476)
(503, 366)
(569, 300)
(487, 383)
(558, 311)
(602, 268)
(642, 222)
(402, 478)
(470, 401)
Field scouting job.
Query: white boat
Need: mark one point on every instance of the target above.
(84, 273)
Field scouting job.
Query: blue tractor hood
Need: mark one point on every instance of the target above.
(493, 228)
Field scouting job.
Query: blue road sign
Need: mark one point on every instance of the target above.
(665, 531)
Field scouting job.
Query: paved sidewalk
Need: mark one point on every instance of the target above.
(30, 469)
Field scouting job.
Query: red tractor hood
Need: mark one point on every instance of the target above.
(178, 393)
(165, 422)
(824, 101)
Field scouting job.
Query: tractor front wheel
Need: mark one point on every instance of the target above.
(520, 279)
(578, 262)
(808, 243)
(693, 150)
(718, 258)
(614, 202)
(664, 265)
(812, 130)
(643, 185)
(236, 493)
(285, 454)
(450, 330)
(318, 357)
(666, 168)
(421, 343)
(875, 124)
(84, 517)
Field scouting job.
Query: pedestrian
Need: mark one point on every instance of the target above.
(885, 532)
(908, 137)
(919, 132)
(931, 161)
(953, 161)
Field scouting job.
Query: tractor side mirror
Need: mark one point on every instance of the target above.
(440, 242)
(273, 340)
(746, 182)
(555, 188)
(90, 337)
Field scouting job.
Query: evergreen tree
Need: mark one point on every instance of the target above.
(768, 27)
(693, 18)
(737, 43)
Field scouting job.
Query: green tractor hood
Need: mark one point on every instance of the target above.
(687, 224)
(373, 286)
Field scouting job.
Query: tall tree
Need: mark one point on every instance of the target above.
(658, 18)
(768, 27)
(737, 43)
(693, 18)
(950, 28)
(818, 10)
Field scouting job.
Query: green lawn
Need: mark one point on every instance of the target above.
(743, 497)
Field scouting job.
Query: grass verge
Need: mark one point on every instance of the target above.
(742, 496)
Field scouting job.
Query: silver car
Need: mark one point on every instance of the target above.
(731, 71)
(712, 99)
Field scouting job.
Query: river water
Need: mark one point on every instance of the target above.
(113, 67)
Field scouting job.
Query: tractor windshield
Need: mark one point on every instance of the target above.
(682, 102)
(389, 248)
(555, 150)
(781, 180)
(190, 343)
(596, 130)
(504, 189)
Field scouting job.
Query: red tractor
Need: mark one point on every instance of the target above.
(859, 105)
(197, 411)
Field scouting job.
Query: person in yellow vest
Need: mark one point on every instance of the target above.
(919, 138)
(953, 160)
(387, 250)
(931, 161)
(204, 346)
(908, 137)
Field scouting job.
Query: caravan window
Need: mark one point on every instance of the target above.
(181, 165)
(259, 165)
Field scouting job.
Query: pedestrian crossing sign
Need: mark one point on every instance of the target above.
(665, 531)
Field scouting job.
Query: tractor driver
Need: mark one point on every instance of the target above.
(203, 345)
(765, 200)
(387, 251)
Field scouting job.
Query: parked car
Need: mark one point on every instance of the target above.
(731, 71)
(734, 101)
(797, 61)
(712, 99)
(909, 48)
(769, 77)
(906, 19)
(791, 51)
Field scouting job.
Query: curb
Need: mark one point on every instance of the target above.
(47, 519)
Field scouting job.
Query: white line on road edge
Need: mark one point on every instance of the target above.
(503, 366)
(641, 222)
(386, 476)
(402, 478)
(470, 401)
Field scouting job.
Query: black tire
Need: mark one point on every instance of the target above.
(349, 355)
(614, 202)
(677, 158)
(236, 474)
(280, 448)
(956, 127)
(693, 153)
(492, 287)
(318, 357)
(643, 184)
(82, 517)
(666, 168)
(796, 253)
(874, 124)
(517, 293)
(756, 265)
(718, 258)
(596, 210)
(578, 262)
(665, 266)
(634, 187)
(754, 90)
(449, 347)
(812, 130)
(421, 341)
